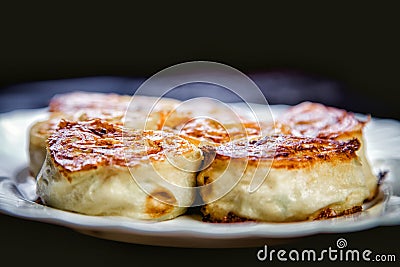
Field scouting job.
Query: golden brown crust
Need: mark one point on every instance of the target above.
(82, 106)
(87, 145)
(206, 128)
(110, 107)
(231, 217)
(328, 213)
(211, 130)
(317, 120)
(76, 101)
(290, 151)
(160, 203)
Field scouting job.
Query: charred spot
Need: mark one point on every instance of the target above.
(99, 131)
(229, 218)
(252, 142)
(351, 146)
(39, 201)
(352, 210)
(282, 154)
(331, 213)
(206, 216)
(325, 214)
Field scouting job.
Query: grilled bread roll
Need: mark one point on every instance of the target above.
(144, 113)
(98, 168)
(319, 121)
(314, 168)
(299, 178)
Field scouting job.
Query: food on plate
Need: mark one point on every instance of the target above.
(308, 178)
(89, 165)
(308, 164)
(146, 113)
(320, 121)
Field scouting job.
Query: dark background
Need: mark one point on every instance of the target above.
(346, 56)
(356, 46)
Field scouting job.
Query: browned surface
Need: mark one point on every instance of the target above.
(231, 217)
(160, 203)
(47, 127)
(87, 145)
(331, 213)
(289, 151)
(206, 128)
(77, 101)
(212, 130)
(317, 120)
(111, 107)
(84, 106)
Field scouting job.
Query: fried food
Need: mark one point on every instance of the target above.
(90, 168)
(301, 178)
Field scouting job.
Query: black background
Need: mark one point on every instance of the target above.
(355, 46)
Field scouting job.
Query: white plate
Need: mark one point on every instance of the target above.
(17, 188)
